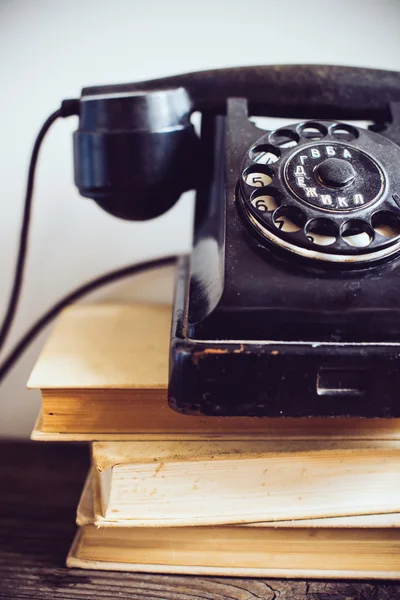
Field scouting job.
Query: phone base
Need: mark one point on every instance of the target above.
(273, 378)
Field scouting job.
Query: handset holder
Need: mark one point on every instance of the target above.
(136, 151)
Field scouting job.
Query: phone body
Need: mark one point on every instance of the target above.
(287, 305)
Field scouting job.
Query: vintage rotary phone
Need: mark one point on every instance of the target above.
(289, 304)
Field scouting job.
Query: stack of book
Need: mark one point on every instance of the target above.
(209, 495)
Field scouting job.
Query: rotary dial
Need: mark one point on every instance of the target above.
(325, 190)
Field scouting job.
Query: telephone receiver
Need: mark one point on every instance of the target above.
(135, 150)
(288, 305)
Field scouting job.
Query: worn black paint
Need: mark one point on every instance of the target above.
(255, 329)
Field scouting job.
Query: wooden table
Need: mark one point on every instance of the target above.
(39, 489)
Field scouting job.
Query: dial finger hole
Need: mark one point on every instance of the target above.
(264, 155)
(313, 131)
(343, 132)
(357, 233)
(322, 232)
(386, 224)
(284, 138)
(289, 219)
(265, 203)
(257, 176)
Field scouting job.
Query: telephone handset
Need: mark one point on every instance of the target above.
(288, 304)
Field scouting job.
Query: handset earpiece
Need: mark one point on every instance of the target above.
(134, 151)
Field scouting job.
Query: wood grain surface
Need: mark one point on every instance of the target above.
(39, 489)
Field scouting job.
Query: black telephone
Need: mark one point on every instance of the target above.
(289, 304)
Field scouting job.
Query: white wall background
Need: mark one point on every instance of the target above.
(50, 49)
